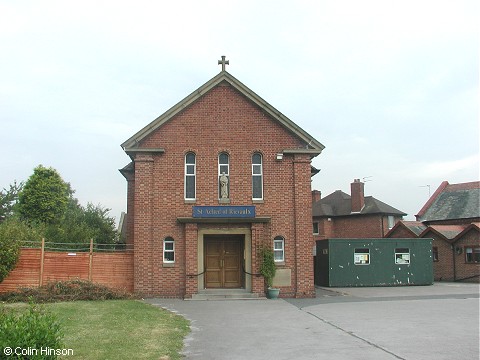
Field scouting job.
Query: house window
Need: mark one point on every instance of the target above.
(190, 174)
(435, 254)
(279, 249)
(361, 256)
(257, 177)
(402, 256)
(315, 228)
(472, 254)
(391, 222)
(168, 250)
(223, 176)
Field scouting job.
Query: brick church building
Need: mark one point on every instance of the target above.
(210, 181)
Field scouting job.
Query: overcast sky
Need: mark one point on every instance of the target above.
(389, 87)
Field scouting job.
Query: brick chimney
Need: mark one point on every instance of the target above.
(316, 196)
(358, 196)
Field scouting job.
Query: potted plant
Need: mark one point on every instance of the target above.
(268, 269)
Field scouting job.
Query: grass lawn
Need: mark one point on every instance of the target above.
(119, 329)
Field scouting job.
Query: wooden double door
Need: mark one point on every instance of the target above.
(223, 261)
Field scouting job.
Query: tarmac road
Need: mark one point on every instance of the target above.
(414, 322)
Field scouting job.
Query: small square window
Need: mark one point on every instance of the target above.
(402, 256)
(361, 256)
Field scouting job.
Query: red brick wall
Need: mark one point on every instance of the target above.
(355, 226)
(304, 275)
(464, 269)
(326, 229)
(443, 268)
(220, 121)
(451, 263)
(114, 270)
(401, 232)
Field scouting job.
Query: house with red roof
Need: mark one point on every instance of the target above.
(452, 204)
(451, 218)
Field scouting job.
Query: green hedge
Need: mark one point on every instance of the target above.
(25, 334)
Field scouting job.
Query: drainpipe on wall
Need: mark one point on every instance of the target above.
(454, 269)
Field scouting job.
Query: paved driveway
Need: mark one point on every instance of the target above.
(417, 322)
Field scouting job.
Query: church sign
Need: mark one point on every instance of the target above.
(247, 211)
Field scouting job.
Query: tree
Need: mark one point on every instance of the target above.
(44, 197)
(13, 232)
(9, 200)
(80, 224)
(96, 217)
(47, 205)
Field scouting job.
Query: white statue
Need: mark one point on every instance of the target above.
(224, 186)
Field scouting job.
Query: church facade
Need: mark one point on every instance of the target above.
(212, 180)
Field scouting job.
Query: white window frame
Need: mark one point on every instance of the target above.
(194, 175)
(168, 240)
(361, 256)
(258, 175)
(402, 257)
(279, 240)
(391, 221)
(317, 226)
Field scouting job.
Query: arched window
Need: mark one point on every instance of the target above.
(190, 174)
(279, 249)
(168, 250)
(223, 176)
(257, 177)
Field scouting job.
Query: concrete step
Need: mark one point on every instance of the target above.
(225, 294)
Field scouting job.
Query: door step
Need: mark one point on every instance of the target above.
(225, 294)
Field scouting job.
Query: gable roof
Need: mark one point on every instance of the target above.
(452, 201)
(448, 232)
(414, 227)
(312, 146)
(475, 226)
(339, 203)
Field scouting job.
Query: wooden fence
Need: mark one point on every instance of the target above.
(37, 266)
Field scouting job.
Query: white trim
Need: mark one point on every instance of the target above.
(280, 240)
(258, 175)
(194, 175)
(168, 240)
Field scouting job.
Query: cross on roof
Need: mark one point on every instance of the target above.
(223, 62)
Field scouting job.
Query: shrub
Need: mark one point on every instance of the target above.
(267, 268)
(34, 329)
(12, 233)
(70, 290)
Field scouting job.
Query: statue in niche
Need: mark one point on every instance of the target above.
(224, 186)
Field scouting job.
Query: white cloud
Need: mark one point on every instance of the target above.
(448, 168)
